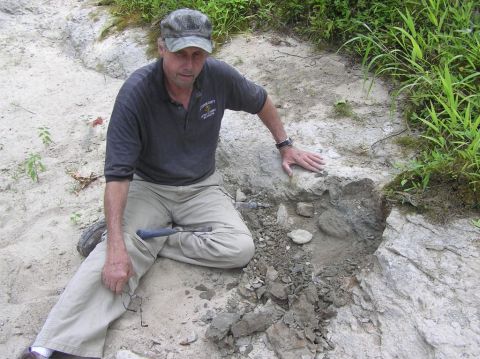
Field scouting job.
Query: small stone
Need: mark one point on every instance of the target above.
(187, 292)
(201, 287)
(333, 223)
(240, 196)
(231, 285)
(257, 321)
(278, 290)
(300, 236)
(305, 209)
(271, 275)
(127, 354)
(309, 334)
(209, 294)
(257, 285)
(208, 316)
(260, 292)
(282, 215)
(245, 349)
(285, 341)
(221, 325)
(192, 338)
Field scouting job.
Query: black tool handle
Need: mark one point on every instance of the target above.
(162, 232)
(146, 234)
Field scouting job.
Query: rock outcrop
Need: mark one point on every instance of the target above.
(420, 298)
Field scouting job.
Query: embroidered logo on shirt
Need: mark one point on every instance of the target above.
(208, 109)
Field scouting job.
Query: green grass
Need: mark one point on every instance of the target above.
(433, 54)
(227, 16)
(343, 108)
(430, 49)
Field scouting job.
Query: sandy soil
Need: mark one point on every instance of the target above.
(41, 221)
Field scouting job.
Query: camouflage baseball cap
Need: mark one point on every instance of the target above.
(184, 28)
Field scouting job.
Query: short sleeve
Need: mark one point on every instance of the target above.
(123, 143)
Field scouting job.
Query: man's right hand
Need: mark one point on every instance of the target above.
(117, 270)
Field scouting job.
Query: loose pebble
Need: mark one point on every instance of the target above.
(240, 196)
(300, 236)
(192, 338)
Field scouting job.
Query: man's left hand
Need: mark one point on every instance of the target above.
(308, 160)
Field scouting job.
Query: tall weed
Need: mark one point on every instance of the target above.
(434, 54)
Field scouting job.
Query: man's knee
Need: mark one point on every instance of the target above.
(244, 251)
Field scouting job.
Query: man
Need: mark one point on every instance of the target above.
(160, 171)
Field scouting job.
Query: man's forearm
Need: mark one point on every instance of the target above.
(118, 266)
(114, 202)
(271, 119)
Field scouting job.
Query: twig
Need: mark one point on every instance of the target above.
(23, 108)
(302, 57)
(313, 59)
(387, 137)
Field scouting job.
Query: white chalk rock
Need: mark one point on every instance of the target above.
(300, 236)
(282, 215)
(240, 196)
(127, 354)
(192, 338)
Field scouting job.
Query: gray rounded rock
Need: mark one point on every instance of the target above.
(333, 223)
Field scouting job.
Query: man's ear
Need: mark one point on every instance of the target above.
(160, 46)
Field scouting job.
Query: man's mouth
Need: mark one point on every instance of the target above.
(186, 76)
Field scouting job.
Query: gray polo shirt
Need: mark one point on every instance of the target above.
(158, 139)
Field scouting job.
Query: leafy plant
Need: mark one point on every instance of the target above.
(75, 218)
(33, 165)
(44, 134)
(343, 108)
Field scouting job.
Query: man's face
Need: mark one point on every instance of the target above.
(183, 67)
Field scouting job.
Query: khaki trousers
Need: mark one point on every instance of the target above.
(78, 323)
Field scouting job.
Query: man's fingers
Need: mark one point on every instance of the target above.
(314, 157)
(309, 166)
(119, 287)
(308, 160)
(109, 284)
(286, 168)
(121, 283)
(315, 163)
(131, 273)
(115, 279)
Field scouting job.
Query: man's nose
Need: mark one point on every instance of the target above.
(188, 63)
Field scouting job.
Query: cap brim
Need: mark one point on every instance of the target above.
(175, 44)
